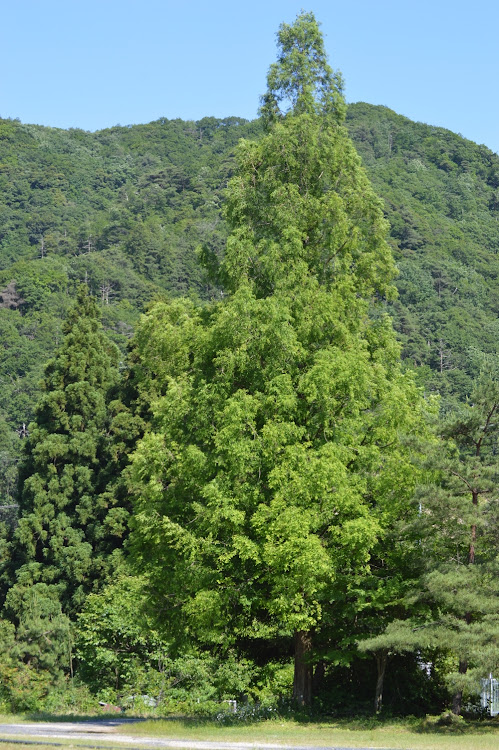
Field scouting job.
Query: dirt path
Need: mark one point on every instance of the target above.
(105, 730)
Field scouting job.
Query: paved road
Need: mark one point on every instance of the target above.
(106, 730)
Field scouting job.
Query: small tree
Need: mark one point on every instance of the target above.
(114, 643)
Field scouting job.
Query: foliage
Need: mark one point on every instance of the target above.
(302, 77)
(247, 714)
(114, 643)
(453, 607)
(122, 210)
(439, 192)
(36, 650)
(275, 457)
(66, 529)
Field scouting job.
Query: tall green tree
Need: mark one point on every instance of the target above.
(65, 532)
(275, 457)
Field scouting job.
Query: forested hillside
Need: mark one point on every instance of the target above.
(248, 473)
(125, 210)
(122, 210)
(441, 196)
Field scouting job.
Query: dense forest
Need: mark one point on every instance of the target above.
(248, 407)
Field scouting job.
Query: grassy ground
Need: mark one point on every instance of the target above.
(405, 734)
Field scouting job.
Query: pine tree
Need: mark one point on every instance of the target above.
(454, 598)
(64, 536)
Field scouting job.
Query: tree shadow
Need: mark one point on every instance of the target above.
(104, 718)
(451, 725)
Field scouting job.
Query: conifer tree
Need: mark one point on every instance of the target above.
(274, 462)
(64, 535)
(455, 596)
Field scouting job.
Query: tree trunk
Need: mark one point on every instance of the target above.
(381, 662)
(302, 683)
(457, 701)
(318, 677)
(471, 553)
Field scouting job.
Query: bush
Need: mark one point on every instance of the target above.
(71, 698)
(248, 713)
(25, 688)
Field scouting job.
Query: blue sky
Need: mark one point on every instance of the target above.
(92, 64)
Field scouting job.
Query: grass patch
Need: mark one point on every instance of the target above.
(403, 734)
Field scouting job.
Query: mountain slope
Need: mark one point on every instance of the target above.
(124, 209)
(441, 195)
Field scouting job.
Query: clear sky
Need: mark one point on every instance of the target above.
(96, 63)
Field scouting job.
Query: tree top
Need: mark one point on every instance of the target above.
(301, 81)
